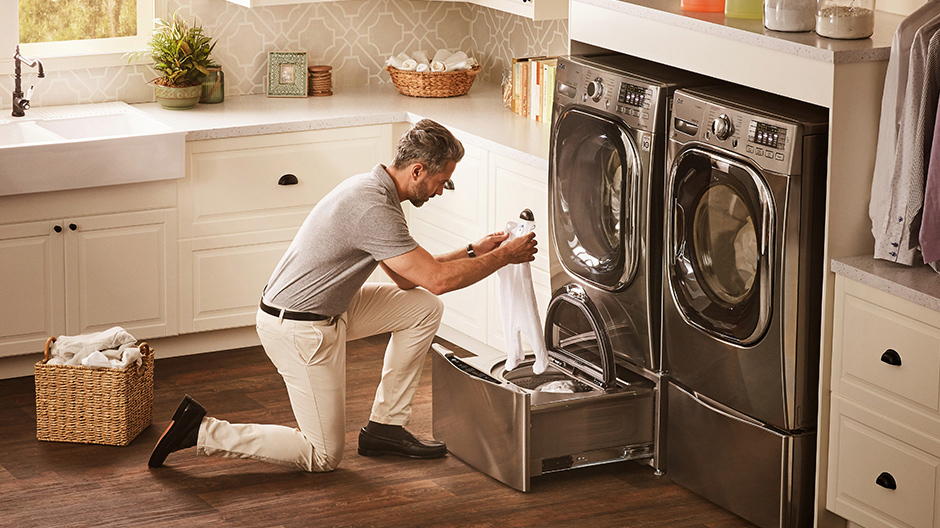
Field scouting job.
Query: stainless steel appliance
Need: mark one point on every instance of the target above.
(742, 270)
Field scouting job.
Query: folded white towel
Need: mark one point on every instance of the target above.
(96, 360)
(409, 65)
(438, 66)
(422, 67)
(421, 58)
(394, 62)
(441, 55)
(456, 62)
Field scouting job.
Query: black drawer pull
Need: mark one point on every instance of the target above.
(73, 227)
(288, 179)
(891, 357)
(886, 481)
(449, 185)
(57, 229)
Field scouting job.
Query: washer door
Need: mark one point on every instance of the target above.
(573, 333)
(719, 246)
(593, 178)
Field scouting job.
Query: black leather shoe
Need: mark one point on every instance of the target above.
(182, 432)
(373, 445)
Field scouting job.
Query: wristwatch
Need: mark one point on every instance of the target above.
(470, 252)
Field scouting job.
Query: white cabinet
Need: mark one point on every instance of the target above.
(884, 446)
(241, 204)
(490, 189)
(532, 9)
(85, 274)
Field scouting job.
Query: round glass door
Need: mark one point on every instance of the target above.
(719, 245)
(593, 178)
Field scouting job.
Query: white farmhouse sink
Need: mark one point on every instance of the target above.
(77, 146)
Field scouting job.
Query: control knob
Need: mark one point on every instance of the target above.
(722, 127)
(595, 89)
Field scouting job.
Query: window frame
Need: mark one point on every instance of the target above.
(77, 54)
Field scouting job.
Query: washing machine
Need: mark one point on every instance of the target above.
(743, 268)
(606, 174)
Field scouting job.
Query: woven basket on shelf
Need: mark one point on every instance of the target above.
(433, 84)
(93, 405)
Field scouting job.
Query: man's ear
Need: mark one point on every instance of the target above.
(416, 169)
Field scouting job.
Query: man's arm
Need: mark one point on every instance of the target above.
(438, 275)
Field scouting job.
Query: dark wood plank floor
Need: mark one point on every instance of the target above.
(59, 484)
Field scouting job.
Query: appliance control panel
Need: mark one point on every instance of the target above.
(769, 142)
(633, 100)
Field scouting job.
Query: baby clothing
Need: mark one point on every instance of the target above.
(520, 312)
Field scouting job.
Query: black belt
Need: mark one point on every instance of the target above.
(295, 316)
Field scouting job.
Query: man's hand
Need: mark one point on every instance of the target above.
(521, 249)
(489, 242)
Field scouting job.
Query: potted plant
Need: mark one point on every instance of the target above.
(181, 55)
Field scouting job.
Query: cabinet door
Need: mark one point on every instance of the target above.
(32, 284)
(462, 211)
(228, 275)
(121, 270)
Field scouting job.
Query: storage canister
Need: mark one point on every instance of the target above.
(703, 6)
(845, 19)
(790, 15)
(750, 9)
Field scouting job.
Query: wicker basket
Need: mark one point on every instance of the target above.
(93, 405)
(433, 84)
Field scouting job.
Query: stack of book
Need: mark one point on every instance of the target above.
(533, 87)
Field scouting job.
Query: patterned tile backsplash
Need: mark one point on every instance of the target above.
(353, 36)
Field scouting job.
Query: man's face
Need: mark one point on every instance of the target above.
(427, 185)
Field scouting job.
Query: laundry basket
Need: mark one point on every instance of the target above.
(433, 84)
(93, 405)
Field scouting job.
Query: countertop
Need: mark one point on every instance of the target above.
(918, 284)
(477, 118)
(804, 44)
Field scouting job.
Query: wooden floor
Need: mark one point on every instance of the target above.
(57, 484)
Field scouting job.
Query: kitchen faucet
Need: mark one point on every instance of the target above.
(20, 103)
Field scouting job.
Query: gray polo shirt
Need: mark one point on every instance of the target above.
(356, 225)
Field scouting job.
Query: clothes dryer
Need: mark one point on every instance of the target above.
(743, 271)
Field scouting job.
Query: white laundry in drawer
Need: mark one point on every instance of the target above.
(889, 348)
(881, 473)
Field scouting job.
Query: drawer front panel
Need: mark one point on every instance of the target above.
(871, 332)
(867, 448)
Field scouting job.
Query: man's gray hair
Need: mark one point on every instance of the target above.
(429, 143)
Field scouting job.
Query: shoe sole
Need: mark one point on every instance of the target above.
(376, 453)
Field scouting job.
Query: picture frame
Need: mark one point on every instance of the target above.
(287, 74)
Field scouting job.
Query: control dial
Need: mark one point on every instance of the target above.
(595, 89)
(722, 127)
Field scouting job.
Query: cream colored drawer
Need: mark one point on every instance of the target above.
(242, 184)
(881, 473)
(886, 354)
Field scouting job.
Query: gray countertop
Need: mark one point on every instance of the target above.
(805, 44)
(918, 284)
(478, 117)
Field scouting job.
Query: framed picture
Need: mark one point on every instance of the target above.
(287, 74)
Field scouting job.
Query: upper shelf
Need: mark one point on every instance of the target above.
(531, 9)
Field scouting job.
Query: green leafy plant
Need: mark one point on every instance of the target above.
(181, 53)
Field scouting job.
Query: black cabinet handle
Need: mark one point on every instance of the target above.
(288, 179)
(886, 481)
(891, 357)
(449, 185)
(73, 227)
(57, 229)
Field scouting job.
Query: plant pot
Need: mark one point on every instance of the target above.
(173, 98)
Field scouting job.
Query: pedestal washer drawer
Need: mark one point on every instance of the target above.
(886, 353)
(881, 473)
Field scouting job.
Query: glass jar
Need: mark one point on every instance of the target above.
(845, 19)
(213, 86)
(747, 9)
(790, 15)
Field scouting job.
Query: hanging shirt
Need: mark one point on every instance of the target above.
(930, 222)
(520, 312)
(900, 166)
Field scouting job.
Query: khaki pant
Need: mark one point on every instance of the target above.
(311, 357)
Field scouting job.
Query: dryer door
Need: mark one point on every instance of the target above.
(593, 178)
(719, 245)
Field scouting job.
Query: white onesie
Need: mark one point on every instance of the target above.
(520, 312)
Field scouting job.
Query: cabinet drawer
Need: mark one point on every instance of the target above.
(874, 331)
(239, 184)
(866, 447)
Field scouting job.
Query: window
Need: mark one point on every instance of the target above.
(73, 34)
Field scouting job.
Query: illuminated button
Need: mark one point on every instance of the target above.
(779, 156)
